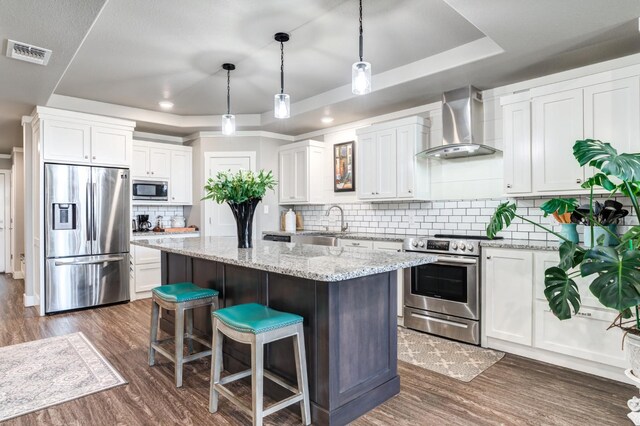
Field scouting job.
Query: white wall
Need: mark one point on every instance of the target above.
(5, 164)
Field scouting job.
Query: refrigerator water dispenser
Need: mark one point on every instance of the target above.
(64, 216)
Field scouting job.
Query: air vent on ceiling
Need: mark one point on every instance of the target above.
(27, 52)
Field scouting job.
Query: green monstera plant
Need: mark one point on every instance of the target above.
(616, 269)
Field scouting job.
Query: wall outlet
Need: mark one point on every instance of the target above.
(265, 209)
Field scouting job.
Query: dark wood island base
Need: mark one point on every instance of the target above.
(349, 328)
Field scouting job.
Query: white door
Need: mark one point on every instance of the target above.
(140, 162)
(386, 164)
(159, 163)
(508, 282)
(367, 166)
(406, 160)
(219, 219)
(180, 183)
(110, 147)
(557, 122)
(68, 142)
(517, 147)
(3, 223)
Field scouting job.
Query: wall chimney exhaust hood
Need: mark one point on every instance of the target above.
(462, 126)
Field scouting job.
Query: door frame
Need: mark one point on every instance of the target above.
(8, 225)
(206, 204)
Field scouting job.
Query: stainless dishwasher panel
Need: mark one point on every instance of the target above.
(80, 282)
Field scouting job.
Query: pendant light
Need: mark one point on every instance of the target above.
(361, 71)
(228, 119)
(281, 102)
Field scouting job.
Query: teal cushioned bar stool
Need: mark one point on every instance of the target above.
(181, 298)
(257, 325)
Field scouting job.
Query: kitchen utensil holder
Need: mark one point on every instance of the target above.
(569, 231)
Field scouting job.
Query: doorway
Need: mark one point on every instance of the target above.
(218, 219)
(5, 214)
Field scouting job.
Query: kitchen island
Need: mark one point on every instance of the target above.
(346, 296)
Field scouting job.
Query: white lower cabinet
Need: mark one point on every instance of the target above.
(516, 316)
(145, 271)
(365, 244)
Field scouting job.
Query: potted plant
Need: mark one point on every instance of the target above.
(242, 191)
(616, 268)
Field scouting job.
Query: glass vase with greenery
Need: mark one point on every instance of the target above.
(242, 191)
(615, 269)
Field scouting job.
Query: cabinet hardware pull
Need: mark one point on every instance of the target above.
(578, 180)
(488, 257)
(410, 191)
(86, 157)
(94, 157)
(151, 172)
(173, 198)
(356, 244)
(373, 193)
(508, 185)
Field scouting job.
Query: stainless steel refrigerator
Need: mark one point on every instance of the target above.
(87, 236)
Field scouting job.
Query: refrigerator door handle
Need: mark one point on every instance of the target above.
(93, 216)
(89, 262)
(88, 212)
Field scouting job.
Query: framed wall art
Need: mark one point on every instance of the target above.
(344, 167)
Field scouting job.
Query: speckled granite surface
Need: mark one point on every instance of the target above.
(521, 244)
(346, 235)
(312, 262)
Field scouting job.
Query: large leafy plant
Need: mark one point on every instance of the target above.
(616, 269)
(239, 187)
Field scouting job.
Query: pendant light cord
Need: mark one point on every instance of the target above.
(281, 67)
(361, 31)
(228, 92)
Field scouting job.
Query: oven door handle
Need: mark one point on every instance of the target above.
(457, 260)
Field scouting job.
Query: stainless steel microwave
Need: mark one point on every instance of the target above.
(150, 190)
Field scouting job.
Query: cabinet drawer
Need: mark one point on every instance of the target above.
(145, 255)
(356, 243)
(583, 336)
(147, 277)
(387, 245)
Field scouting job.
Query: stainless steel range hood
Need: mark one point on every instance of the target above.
(462, 128)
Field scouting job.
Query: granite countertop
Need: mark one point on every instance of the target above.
(346, 235)
(320, 263)
(521, 244)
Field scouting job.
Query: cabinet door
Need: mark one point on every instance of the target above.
(145, 255)
(508, 283)
(68, 142)
(301, 175)
(386, 166)
(517, 147)
(367, 166)
(557, 123)
(285, 177)
(180, 189)
(140, 162)
(406, 160)
(110, 147)
(148, 277)
(611, 112)
(159, 163)
(394, 247)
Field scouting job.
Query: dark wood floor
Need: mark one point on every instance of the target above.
(513, 391)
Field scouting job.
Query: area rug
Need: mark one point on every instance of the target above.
(453, 359)
(46, 372)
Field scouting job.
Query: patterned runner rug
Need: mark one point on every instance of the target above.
(457, 360)
(46, 372)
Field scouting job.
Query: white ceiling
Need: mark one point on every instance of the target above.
(136, 54)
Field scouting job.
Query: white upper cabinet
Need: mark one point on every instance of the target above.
(557, 123)
(161, 161)
(386, 166)
(611, 113)
(301, 173)
(78, 138)
(180, 181)
(517, 145)
(111, 147)
(66, 141)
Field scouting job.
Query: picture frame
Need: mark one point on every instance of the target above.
(344, 167)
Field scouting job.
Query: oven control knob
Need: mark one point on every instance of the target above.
(470, 247)
(462, 247)
(414, 243)
(421, 243)
(454, 246)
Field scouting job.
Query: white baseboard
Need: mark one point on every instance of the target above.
(30, 300)
(18, 275)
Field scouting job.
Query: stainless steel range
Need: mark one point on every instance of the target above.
(443, 298)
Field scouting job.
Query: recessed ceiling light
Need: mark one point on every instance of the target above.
(327, 120)
(165, 104)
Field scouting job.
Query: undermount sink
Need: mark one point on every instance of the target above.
(316, 239)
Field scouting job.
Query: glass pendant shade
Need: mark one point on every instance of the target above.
(281, 106)
(228, 124)
(361, 78)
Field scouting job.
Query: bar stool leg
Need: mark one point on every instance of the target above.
(153, 337)
(257, 378)
(216, 367)
(301, 372)
(189, 319)
(179, 341)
